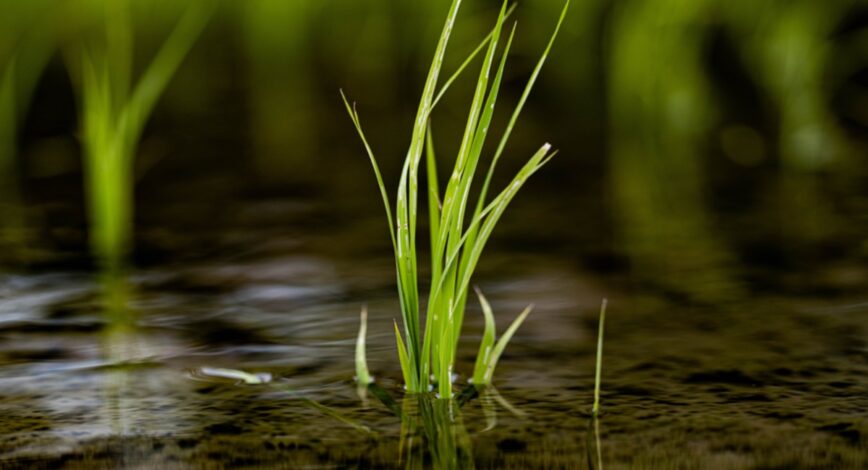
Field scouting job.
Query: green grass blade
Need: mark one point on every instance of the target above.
(495, 208)
(502, 342)
(487, 344)
(468, 60)
(519, 107)
(407, 205)
(354, 115)
(363, 376)
(454, 208)
(433, 201)
(462, 174)
(408, 287)
(498, 206)
(485, 123)
(599, 371)
(475, 153)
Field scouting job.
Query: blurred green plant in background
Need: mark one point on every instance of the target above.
(789, 49)
(661, 117)
(114, 110)
(639, 88)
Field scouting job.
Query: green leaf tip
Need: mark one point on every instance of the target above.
(489, 350)
(363, 376)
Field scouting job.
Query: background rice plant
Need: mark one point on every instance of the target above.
(114, 110)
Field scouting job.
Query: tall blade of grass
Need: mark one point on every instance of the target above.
(408, 287)
(469, 59)
(407, 204)
(499, 204)
(501, 344)
(434, 214)
(476, 151)
(491, 214)
(599, 371)
(163, 67)
(454, 207)
(487, 343)
(363, 376)
(488, 218)
(520, 106)
(354, 115)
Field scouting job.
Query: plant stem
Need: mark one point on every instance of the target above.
(596, 408)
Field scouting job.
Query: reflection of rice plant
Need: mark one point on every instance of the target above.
(456, 243)
(114, 114)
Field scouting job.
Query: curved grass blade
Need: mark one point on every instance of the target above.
(520, 106)
(487, 344)
(599, 371)
(354, 115)
(503, 341)
(469, 59)
(433, 201)
(454, 206)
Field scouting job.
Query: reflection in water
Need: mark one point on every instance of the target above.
(435, 426)
(432, 430)
(595, 452)
(659, 108)
(121, 345)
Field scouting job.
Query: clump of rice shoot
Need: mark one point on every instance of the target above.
(458, 229)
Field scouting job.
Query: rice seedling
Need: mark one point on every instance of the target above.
(457, 241)
(27, 40)
(114, 111)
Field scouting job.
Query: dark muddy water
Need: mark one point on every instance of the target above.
(97, 374)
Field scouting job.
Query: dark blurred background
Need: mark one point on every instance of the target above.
(709, 148)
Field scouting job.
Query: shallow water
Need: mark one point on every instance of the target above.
(105, 374)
